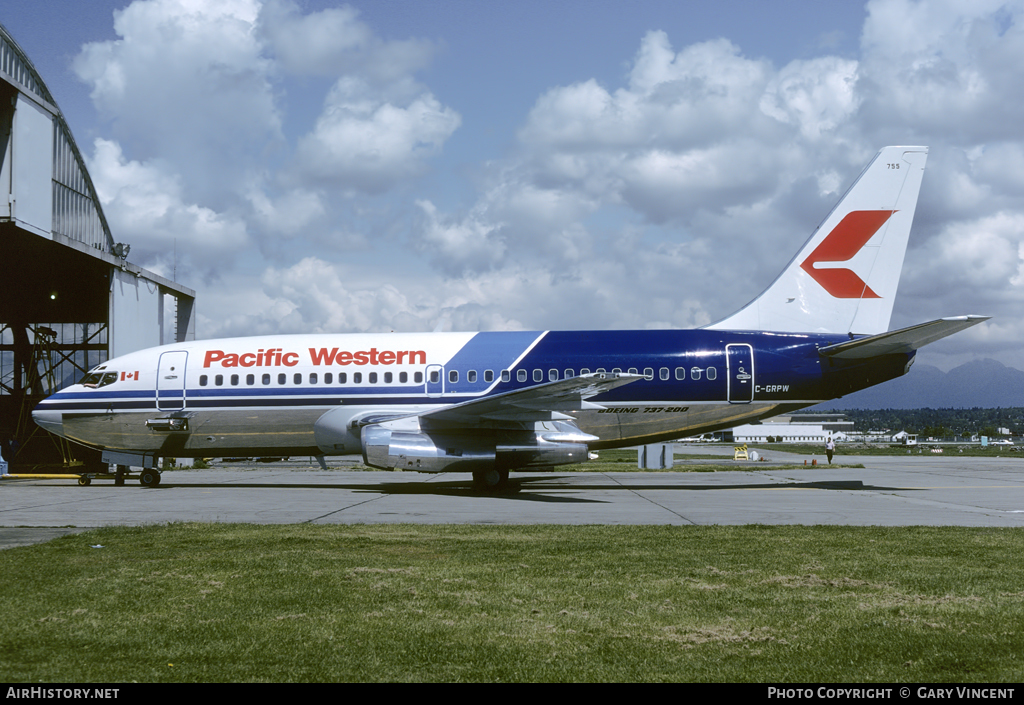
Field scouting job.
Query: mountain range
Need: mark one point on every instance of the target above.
(981, 383)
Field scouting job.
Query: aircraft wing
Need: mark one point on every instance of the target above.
(540, 402)
(903, 340)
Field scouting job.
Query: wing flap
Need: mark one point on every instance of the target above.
(903, 340)
(542, 402)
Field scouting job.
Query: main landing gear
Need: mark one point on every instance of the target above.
(490, 480)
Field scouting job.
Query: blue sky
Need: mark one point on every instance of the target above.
(405, 165)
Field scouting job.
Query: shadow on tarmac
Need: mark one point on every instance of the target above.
(527, 488)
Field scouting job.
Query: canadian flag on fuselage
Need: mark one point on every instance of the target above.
(844, 278)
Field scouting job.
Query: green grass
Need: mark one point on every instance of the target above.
(211, 603)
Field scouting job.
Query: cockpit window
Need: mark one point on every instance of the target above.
(91, 379)
(99, 379)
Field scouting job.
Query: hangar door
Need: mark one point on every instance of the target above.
(26, 168)
(136, 313)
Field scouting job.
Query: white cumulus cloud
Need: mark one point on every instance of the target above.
(335, 41)
(146, 207)
(368, 141)
(186, 80)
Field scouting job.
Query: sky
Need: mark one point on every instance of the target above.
(400, 165)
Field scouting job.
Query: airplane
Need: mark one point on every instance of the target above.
(493, 402)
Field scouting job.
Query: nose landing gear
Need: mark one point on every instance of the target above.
(149, 477)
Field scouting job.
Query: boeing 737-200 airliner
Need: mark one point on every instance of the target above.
(492, 402)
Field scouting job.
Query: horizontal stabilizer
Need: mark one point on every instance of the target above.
(903, 340)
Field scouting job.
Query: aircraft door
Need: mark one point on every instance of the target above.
(170, 381)
(739, 362)
(435, 380)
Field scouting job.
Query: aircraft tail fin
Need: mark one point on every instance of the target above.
(844, 279)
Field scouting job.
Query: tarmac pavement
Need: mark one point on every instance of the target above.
(888, 491)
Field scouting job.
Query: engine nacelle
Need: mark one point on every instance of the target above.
(334, 434)
(339, 430)
(415, 450)
(446, 452)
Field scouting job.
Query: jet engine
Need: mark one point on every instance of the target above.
(553, 443)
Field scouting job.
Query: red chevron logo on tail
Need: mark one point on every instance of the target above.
(841, 245)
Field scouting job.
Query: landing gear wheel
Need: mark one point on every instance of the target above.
(85, 481)
(490, 479)
(149, 478)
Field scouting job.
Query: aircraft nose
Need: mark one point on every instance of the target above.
(49, 419)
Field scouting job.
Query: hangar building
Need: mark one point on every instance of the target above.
(69, 297)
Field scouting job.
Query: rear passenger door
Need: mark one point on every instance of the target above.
(739, 363)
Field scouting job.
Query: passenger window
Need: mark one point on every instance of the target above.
(695, 373)
(569, 374)
(521, 375)
(632, 371)
(357, 378)
(234, 380)
(403, 377)
(471, 376)
(680, 373)
(505, 376)
(648, 373)
(312, 377)
(250, 380)
(553, 375)
(266, 379)
(488, 376)
(712, 373)
(435, 376)
(282, 378)
(202, 380)
(538, 375)
(453, 376)
(297, 378)
(585, 371)
(663, 373)
(418, 378)
(372, 378)
(219, 380)
(388, 377)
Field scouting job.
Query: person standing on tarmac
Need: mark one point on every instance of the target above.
(830, 448)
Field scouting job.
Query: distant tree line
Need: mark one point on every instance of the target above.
(940, 423)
